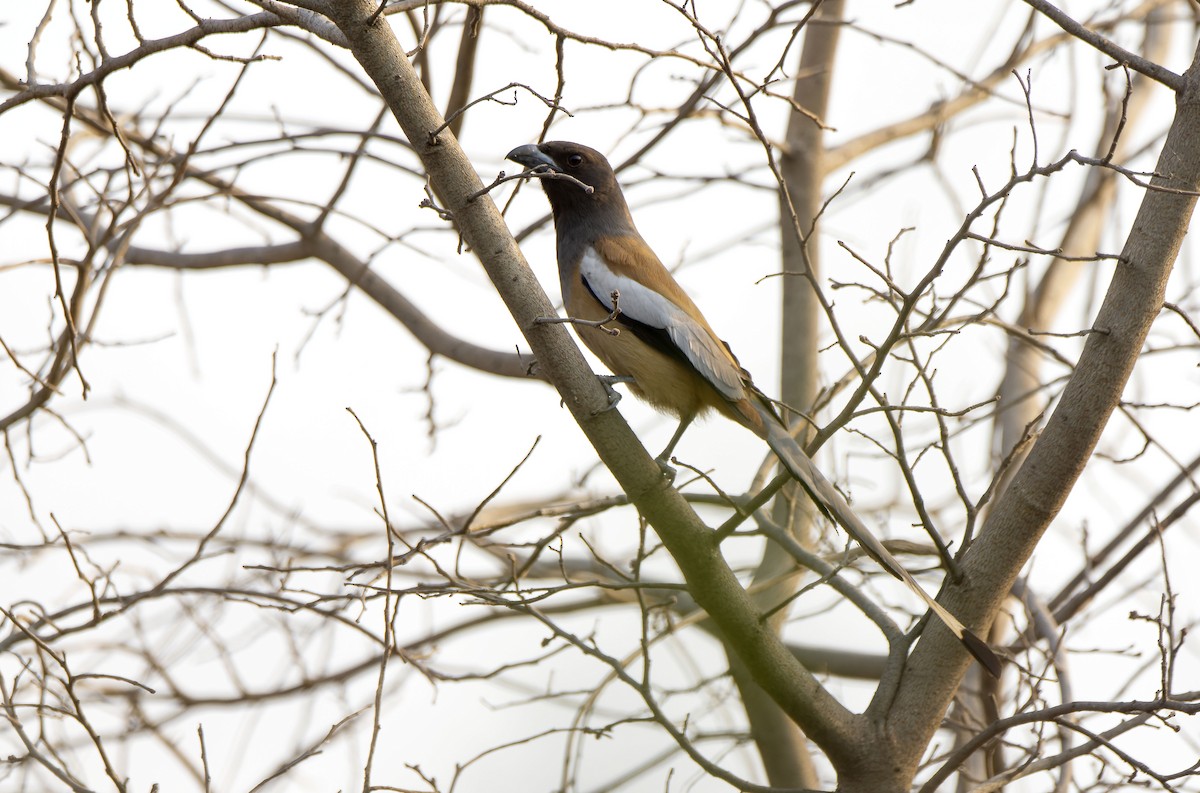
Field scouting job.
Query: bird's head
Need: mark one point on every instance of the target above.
(584, 165)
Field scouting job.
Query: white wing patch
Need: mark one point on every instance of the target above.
(643, 304)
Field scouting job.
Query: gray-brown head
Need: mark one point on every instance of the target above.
(604, 206)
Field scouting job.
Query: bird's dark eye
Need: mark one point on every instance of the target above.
(575, 160)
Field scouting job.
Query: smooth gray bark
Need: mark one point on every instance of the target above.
(1026, 509)
(869, 754)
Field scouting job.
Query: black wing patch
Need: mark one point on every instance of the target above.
(657, 338)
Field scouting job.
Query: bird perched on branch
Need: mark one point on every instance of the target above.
(667, 351)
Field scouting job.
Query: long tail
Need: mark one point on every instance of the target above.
(830, 501)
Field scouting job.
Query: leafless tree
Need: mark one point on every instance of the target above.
(965, 215)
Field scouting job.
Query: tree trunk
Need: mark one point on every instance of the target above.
(1037, 492)
(781, 744)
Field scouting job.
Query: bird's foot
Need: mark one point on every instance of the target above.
(668, 470)
(614, 396)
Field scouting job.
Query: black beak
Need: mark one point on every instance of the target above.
(531, 156)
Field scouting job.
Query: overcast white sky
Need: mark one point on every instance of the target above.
(181, 363)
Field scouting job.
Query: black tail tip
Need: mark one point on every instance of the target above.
(983, 654)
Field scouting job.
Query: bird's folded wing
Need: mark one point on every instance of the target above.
(642, 303)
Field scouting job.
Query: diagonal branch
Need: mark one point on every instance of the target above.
(1026, 509)
(1110, 48)
(311, 243)
(710, 579)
